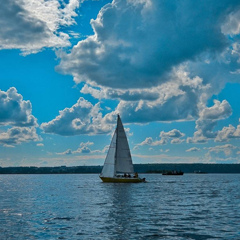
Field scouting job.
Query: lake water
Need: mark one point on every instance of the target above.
(192, 206)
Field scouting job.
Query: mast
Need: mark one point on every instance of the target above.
(115, 157)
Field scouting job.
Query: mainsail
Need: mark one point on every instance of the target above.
(118, 158)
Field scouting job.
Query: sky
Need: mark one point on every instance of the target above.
(171, 69)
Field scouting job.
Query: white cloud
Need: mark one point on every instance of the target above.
(222, 153)
(16, 119)
(227, 149)
(14, 110)
(67, 152)
(178, 99)
(228, 133)
(137, 43)
(86, 143)
(127, 95)
(177, 141)
(220, 110)
(40, 145)
(194, 149)
(149, 141)
(232, 25)
(142, 57)
(172, 134)
(208, 120)
(18, 135)
(81, 118)
(167, 150)
(84, 149)
(31, 25)
(8, 146)
(127, 131)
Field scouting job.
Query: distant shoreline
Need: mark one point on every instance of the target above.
(140, 168)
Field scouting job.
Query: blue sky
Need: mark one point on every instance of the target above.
(171, 69)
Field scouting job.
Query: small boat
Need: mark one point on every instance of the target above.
(118, 166)
(199, 172)
(172, 173)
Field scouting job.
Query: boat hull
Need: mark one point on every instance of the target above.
(173, 174)
(122, 180)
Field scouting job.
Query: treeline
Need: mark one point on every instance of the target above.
(50, 170)
(140, 168)
(188, 168)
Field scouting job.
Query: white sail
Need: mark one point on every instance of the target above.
(118, 158)
(109, 164)
(123, 155)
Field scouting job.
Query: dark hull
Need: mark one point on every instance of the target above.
(173, 174)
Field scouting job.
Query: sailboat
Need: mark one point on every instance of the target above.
(118, 166)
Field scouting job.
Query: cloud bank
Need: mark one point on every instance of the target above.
(162, 60)
(137, 43)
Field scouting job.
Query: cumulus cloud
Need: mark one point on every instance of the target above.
(194, 149)
(166, 151)
(226, 149)
(149, 141)
(136, 43)
(232, 25)
(18, 135)
(178, 99)
(161, 68)
(16, 119)
(174, 134)
(81, 118)
(208, 120)
(84, 149)
(14, 110)
(126, 95)
(219, 110)
(177, 141)
(228, 133)
(32, 25)
(40, 144)
(67, 152)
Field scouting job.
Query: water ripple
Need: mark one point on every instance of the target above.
(79, 206)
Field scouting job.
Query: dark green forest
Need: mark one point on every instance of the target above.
(140, 168)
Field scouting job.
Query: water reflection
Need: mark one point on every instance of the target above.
(121, 215)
